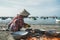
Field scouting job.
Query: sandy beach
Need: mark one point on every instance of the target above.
(4, 35)
(46, 27)
(41, 27)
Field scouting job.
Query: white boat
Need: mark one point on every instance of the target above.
(57, 20)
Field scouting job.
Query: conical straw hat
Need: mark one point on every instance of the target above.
(24, 13)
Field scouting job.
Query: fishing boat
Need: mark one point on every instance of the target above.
(58, 20)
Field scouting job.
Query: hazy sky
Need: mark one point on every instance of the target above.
(35, 7)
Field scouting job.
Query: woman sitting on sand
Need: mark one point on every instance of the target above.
(17, 23)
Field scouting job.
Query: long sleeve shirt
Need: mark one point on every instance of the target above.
(19, 23)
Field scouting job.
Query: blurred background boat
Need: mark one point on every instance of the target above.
(58, 20)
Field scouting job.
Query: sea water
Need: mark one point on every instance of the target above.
(49, 21)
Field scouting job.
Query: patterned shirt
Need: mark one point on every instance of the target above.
(19, 23)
